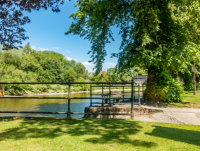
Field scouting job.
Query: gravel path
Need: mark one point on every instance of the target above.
(173, 115)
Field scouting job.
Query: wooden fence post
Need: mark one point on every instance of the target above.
(69, 103)
(132, 101)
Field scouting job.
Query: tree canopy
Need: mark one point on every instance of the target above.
(12, 19)
(158, 35)
(45, 66)
(154, 32)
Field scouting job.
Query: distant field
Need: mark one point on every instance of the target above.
(96, 135)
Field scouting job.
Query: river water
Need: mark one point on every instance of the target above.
(48, 105)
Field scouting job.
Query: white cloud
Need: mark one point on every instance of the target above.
(68, 58)
(87, 63)
(68, 51)
(55, 47)
(33, 47)
(111, 64)
(42, 49)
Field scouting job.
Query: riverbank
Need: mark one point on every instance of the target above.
(49, 88)
(57, 93)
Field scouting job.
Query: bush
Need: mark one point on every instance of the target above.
(58, 89)
(169, 93)
(17, 89)
(189, 85)
(161, 87)
(49, 86)
(172, 92)
(198, 86)
(83, 87)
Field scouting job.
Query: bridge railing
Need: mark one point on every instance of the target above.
(69, 98)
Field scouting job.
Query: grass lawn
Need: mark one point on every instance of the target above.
(96, 134)
(189, 100)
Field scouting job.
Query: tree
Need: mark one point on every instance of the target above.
(12, 19)
(156, 35)
(102, 77)
(81, 71)
(70, 74)
(124, 76)
(113, 75)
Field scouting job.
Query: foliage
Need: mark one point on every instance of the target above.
(28, 65)
(163, 88)
(80, 71)
(12, 19)
(187, 74)
(173, 92)
(70, 74)
(102, 77)
(159, 34)
(124, 76)
(189, 100)
(84, 87)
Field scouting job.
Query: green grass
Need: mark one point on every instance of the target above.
(189, 100)
(96, 135)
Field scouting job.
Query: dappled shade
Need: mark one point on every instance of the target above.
(181, 135)
(111, 131)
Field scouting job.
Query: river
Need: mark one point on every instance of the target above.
(47, 105)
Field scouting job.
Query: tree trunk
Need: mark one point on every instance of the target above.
(153, 92)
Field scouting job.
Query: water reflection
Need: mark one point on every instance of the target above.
(47, 105)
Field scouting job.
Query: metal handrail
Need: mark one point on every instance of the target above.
(69, 97)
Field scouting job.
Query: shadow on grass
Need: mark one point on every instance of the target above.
(181, 135)
(101, 131)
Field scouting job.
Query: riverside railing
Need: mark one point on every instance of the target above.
(69, 98)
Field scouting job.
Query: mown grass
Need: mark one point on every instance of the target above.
(96, 135)
(189, 100)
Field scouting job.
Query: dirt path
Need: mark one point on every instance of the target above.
(173, 115)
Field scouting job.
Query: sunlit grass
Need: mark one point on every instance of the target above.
(189, 100)
(96, 134)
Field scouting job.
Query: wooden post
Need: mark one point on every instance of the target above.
(90, 95)
(69, 104)
(139, 94)
(102, 96)
(132, 101)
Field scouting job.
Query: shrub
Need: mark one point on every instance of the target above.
(173, 91)
(58, 89)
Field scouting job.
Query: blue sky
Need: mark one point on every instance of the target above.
(47, 32)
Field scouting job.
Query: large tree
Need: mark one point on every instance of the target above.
(156, 34)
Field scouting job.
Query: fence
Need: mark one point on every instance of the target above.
(69, 98)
